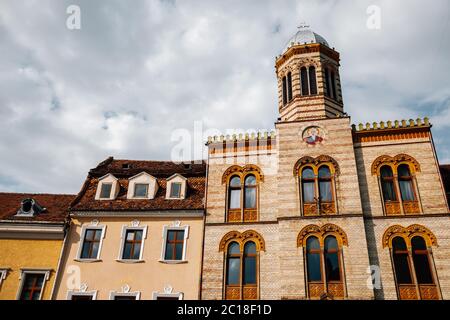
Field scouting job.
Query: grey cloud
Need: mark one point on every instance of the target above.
(139, 70)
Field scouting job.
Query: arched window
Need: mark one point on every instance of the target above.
(284, 89)
(325, 191)
(412, 261)
(313, 260)
(401, 261)
(304, 81)
(242, 259)
(308, 185)
(242, 196)
(317, 190)
(312, 80)
(421, 259)
(249, 264)
(405, 182)
(289, 86)
(332, 265)
(333, 85)
(323, 260)
(233, 264)
(327, 83)
(250, 192)
(398, 185)
(387, 184)
(235, 193)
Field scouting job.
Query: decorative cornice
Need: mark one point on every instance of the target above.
(247, 169)
(321, 232)
(242, 238)
(315, 161)
(408, 233)
(394, 161)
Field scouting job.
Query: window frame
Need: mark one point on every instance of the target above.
(175, 227)
(156, 295)
(318, 207)
(241, 256)
(245, 214)
(107, 179)
(125, 229)
(125, 293)
(71, 293)
(91, 226)
(3, 274)
(23, 275)
(135, 185)
(172, 184)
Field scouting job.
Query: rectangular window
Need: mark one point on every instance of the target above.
(167, 298)
(132, 245)
(175, 190)
(81, 297)
(127, 297)
(105, 192)
(140, 190)
(174, 245)
(235, 199)
(32, 286)
(91, 244)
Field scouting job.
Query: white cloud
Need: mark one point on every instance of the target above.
(134, 73)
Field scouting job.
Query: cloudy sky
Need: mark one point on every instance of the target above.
(138, 73)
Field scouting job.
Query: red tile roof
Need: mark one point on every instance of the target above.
(56, 206)
(161, 170)
(445, 173)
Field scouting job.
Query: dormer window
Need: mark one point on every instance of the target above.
(29, 208)
(105, 192)
(142, 186)
(140, 190)
(107, 188)
(176, 187)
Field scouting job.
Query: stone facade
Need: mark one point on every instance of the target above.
(313, 129)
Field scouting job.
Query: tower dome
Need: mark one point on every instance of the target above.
(305, 35)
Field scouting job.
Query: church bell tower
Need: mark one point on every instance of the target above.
(309, 86)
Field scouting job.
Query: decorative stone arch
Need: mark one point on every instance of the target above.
(408, 233)
(285, 70)
(394, 162)
(321, 233)
(316, 163)
(307, 62)
(242, 239)
(242, 172)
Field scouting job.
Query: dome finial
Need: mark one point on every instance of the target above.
(303, 25)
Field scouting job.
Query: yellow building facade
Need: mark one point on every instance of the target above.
(32, 232)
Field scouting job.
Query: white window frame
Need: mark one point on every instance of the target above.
(125, 228)
(142, 178)
(177, 227)
(96, 226)
(82, 292)
(23, 275)
(3, 274)
(107, 179)
(168, 293)
(176, 178)
(125, 292)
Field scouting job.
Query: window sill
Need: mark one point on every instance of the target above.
(88, 260)
(130, 261)
(173, 261)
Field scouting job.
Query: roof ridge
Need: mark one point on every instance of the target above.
(38, 193)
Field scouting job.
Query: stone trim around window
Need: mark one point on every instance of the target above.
(176, 225)
(125, 292)
(82, 291)
(167, 293)
(22, 277)
(134, 225)
(94, 224)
